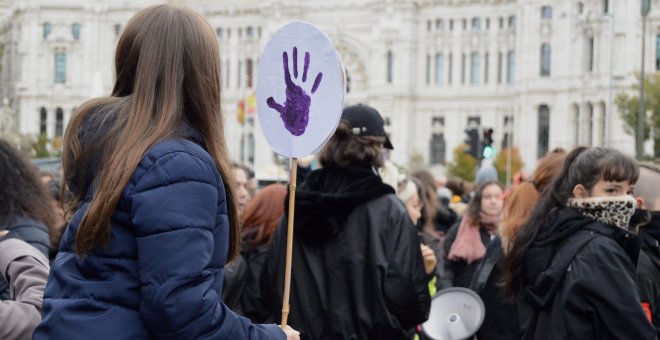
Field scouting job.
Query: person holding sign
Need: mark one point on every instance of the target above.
(358, 271)
(154, 210)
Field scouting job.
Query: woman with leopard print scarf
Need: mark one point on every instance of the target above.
(572, 264)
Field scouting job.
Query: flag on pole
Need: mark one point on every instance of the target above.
(240, 112)
(252, 103)
(246, 106)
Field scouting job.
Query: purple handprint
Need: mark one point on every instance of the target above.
(295, 111)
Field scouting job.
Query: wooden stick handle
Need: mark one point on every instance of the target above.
(289, 241)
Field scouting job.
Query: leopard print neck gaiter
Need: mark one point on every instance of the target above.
(615, 210)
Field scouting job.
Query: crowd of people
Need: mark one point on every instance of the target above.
(150, 231)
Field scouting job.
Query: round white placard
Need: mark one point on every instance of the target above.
(298, 113)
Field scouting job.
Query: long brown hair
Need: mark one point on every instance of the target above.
(262, 214)
(167, 66)
(431, 203)
(523, 199)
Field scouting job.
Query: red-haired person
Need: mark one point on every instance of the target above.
(260, 219)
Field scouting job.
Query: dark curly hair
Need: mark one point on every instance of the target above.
(21, 191)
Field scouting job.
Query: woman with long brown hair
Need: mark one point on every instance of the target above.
(154, 216)
(466, 242)
(501, 320)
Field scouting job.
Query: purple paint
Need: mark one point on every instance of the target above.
(295, 62)
(304, 79)
(317, 82)
(295, 111)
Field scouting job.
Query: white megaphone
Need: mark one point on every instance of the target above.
(456, 313)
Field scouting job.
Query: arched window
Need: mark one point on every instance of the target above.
(251, 148)
(545, 60)
(75, 31)
(47, 29)
(511, 67)
(546, 12)
(440, 24)
(486, 70)
(248, 72)
(59, 122)
(428, 69)
(439, 68)
(590, 54)
(606, 6)
(512, 22)
(543, 130)
(438, 145)
(43, 121)
(475, 65)
(476, 23)
(60, 67)
(390, 65)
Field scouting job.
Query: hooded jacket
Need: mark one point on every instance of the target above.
(648, 266)
(160, 276)
(579, 282)
(357, 269)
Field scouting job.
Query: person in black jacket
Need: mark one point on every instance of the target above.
(647, 217)
(466, 242)
(25, 205)
(357, 270)
(572, 263)
(501, 319)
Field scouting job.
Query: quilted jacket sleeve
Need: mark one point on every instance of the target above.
(406, 283)
(26, 270)
(174, 208)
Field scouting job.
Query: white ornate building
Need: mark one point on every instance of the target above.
(539, 69)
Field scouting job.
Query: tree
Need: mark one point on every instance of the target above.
(464, 165)
(628, 106)
(501, 159)
(41, 146)
(416, 161)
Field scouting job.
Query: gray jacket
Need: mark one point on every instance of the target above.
(26, 270)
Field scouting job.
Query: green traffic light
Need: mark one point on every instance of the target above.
(488, 152)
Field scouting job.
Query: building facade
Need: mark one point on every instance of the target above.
(541, 74)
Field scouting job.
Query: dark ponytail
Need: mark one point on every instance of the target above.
(582, 166)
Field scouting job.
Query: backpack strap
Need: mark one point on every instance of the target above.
(492, 257)
(548, 283)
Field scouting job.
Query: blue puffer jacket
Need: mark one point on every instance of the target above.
(161, 274)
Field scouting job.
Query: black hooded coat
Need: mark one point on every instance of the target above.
(648, 266)
(579, 283)
(357, 269)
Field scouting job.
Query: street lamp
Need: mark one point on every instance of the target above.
(639, 140)
(608, 113)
